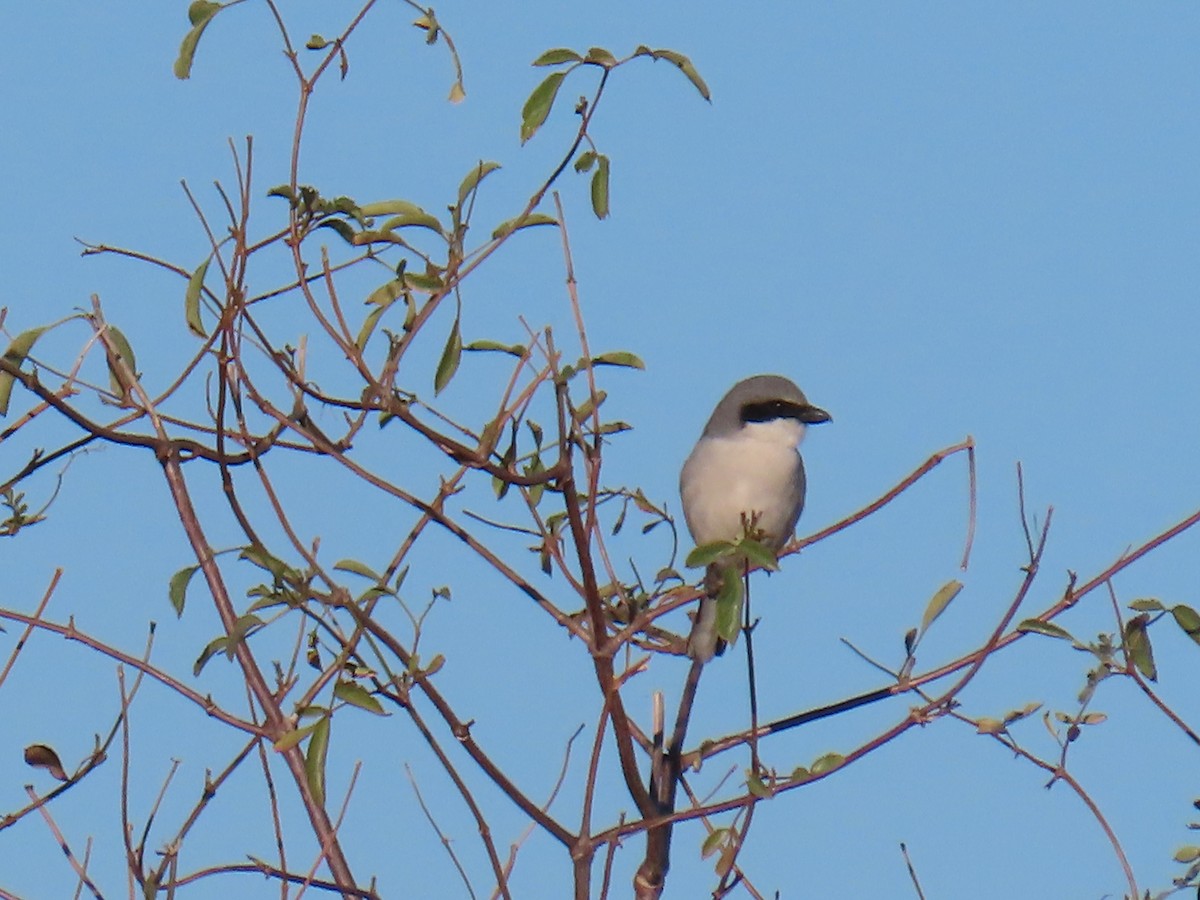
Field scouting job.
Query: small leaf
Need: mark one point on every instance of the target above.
(517, 350)
(713, 842)
(15, 355)
(510, 225)
(1187, 619)
(989, 726)
(191, 300)
(707, 553)
(600, 188)
(243, 627)
(448, 364)
(758, 554)
(537, 107)
(1137, 645)
(471, 181)
(585, 160)
(1049, 629)
(557, 57)
(729, 605)
(589, 405)
(1024, 712)
(42, 756)
(1187, 854)
(200, 13)
(457, 92)
(316, 42)
(215, 646)
(937, 605)
(291, 738)
(685, 66)
(118, 344)
(1146, 604)
(345, 232)
(619, 358)
(403, 208)
(177, 589)
(757, 787)
(827, 763)
(601, 56)
(356, 695)
(314, 759)
(425, 282)
(354, 566)
(264, 560)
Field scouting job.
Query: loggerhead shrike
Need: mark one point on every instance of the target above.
(745, 469)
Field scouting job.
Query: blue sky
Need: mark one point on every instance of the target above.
(939, 219)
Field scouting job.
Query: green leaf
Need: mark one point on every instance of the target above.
(600, 188)
(517, 350)
(200, 13)
(713, 842)
(601, 56)
(1137, 645)
(423, 281)
(1187, 619)
(386, 294)
(704, 554)
(264, 560)
(729, 605)
(292, 738)
(177, 589)
(215, 646)
(1024, 712)
(585, 160)
(356, 695)
(471, 182)
(314, 759)
(120, 346)
(368, 327)
(316, 42)
(1049, 629)
(758, 554)
(619, 358)
(537, 107)
(685, 66)
(757, 787)
(1146, 604)
(448, 364)
(242, 628)
(354, 566)
(345, 232)
(827, 763)
(403, 214)
(191, 300)
(1187, 854)
(589, 405)
(557, 57)
(937, 605)
(15, 355)
(510, 225)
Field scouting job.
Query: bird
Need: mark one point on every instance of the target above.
(745, 472)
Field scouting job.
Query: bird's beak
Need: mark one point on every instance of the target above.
(813, 415)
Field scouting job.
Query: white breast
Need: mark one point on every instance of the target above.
(755, 471)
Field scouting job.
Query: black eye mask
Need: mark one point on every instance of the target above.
(770, 410)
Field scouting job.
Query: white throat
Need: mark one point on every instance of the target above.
(785, 432)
